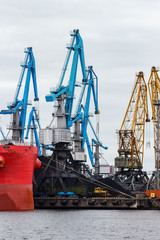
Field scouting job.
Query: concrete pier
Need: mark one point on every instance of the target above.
(96, 203)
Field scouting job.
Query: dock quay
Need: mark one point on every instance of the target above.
(143, 203)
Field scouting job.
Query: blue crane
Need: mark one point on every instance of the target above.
(89, 81)
(19, 107)
(76, 46)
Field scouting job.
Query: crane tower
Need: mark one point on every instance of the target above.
(154, 93)
(131, 134)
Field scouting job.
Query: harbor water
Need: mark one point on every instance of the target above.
(80, 225)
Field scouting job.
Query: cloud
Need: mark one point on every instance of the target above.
(120, 39)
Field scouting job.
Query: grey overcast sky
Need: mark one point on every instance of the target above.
(121, 38)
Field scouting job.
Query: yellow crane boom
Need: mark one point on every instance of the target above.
(131, 133)
(154, 93)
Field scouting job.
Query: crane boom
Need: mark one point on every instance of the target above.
(18, 108)
(131, 133)
(76, 46)
(60, 135)
(154, 93)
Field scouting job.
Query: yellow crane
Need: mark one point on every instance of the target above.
(131, 133)
(154, 93)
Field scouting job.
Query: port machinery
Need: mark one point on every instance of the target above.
(154, 93)
(66, 169)
(131, 140)
(18, 107)
(131, 136)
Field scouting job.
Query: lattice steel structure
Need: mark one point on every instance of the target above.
(131, 133)
(154, 93)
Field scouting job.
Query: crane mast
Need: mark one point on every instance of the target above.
(63, 135)
(131, 133)
(18, 108)
(67, 135)
(154, 93)
(76, 46)
(59, 137)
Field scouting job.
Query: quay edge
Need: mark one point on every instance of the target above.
(138, 203)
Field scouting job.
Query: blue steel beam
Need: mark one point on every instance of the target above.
(70, 48)
(29, 122)
(33, 71)
(78, 51)
(21, 78)
(36, 138)
(87, 103)
(25, 101)
(54, 94)
(2, 134)
(32, 120)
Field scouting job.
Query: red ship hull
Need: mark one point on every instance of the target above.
(17, 165)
